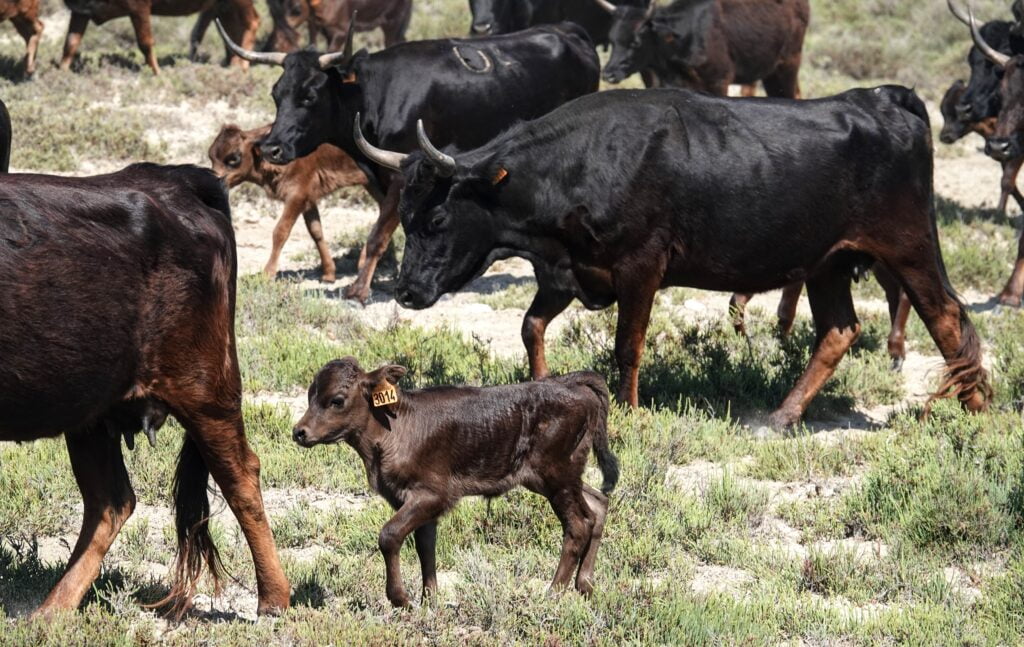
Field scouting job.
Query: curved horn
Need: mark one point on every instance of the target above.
(274, 58)
(996, 57)
(345, 55)
(650, 9)
(958, 12)
(607, 6)
(445, 164)
(388, 159)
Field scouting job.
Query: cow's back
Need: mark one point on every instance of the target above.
(475, 88)
(98, 277)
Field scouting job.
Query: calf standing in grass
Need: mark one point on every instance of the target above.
(299, 184)
(424, 450)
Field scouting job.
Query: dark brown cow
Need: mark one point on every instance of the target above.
(239, 18)
(424, 450)
(300, 184)
(331, 19)
(137, 324)
(24, 15)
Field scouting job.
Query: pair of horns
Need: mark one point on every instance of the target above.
(967, 18)
(610, 7)
(277, 58)
(445, 164)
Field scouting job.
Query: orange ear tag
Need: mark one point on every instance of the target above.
(385, 394)
(499, 176)
(349, 78)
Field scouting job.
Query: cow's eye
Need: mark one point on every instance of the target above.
(309, 100)
(234, 160)
(438, 221)
(338, 402)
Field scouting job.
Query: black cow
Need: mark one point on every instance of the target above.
(979, 103)
(1018, 18)
(491, 17)
(117, 294)
(467, 90)
(618, 194)
(1006, 144)
(709, 44)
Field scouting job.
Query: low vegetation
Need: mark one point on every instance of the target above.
(869, 526)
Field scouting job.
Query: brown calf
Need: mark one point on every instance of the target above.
(24, 15)
(424, 450)
(299, 184)
(239, 18)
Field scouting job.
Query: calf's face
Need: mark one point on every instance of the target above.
(341, 401)
(953, 128)
(232, 155)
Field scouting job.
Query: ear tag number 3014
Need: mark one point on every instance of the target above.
(385, 395)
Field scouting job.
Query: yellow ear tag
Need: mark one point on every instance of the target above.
(499, 176)
(349, 78)
(385, 394)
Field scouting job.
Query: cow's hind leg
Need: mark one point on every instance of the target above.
(788, 303)
(598, 504)
(785, 81)
(376, 244)
(547, 304)
(31, 29)
(195, 39)
(76, 29)
(899, 311)
(836, 326)
(950, 328)
(738, 312)
(108, 499)
(144, 37)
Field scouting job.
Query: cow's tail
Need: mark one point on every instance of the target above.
(195, 545)
(965, 377)
(598, 425)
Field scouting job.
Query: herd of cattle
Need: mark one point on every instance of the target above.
(482, 148)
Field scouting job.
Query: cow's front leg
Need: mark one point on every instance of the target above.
(547, 304)
(414, 513)
(636, 298)
(108, 499)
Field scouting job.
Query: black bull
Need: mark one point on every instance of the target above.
(618, 194)
(117, 297)
(466, 90)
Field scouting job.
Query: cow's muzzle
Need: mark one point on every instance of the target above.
(998, 148)
(482, 29)
(273, 153)
(613, 76)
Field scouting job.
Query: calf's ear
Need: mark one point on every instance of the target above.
(392, 372)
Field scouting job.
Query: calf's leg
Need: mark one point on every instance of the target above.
(738, 310)
(316, 232)
(31, 29)
(415, 512)
(283, 228)
(376, 244)
(578, 521)
(836, 326)
(426, 544)
(76, 29)
(108, 499)
(1008, 184)
(598, 504)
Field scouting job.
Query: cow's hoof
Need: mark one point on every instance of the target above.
(355, 293)
(781, 421)
(399, 600)
(897, 364)
(328, 278)
(1009, 300)
(270, 610)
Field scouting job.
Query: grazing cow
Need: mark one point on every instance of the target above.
(24, 15)
(424, 450)
(6, 133)
(618, 194)
(468, 91)
(300, 184)
(491, 17)
(1006, 144)
(708, 44)
(137, 324)
(239, 16)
